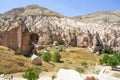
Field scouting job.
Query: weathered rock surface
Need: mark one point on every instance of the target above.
(35, 60)
(86, 31)
(18, 37)
(64, 74)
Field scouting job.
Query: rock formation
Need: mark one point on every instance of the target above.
(18, 37)
(97, 43)
(35, 60)
(43, 26)
(91, 78)
(64, 74)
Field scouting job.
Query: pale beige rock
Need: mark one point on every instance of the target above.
(35, 60)
(51, 26)
(65, 74)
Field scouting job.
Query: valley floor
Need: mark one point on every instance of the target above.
(79, 59)
(105, 74)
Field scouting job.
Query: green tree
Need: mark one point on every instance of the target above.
(46, 56)
(31, 74)
(56, 57)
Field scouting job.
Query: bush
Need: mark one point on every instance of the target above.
(31, 74)
(46, 57)
(105, 58)
(84, 64)
(80, 69)
(2, 71)
(39, 53)
(17, 52)
(101, 61)
(110, 60)
(113, 61)
(56, 57)
(107, 50)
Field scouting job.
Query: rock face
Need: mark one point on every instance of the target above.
(97, 43)
(90, 31)
(18, 37)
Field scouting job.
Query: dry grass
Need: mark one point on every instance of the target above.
(12, 63)
(46, 67)
(117, 75)
(78, 55)
(72, 57)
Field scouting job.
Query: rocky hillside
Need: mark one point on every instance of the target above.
(93, 30)
(98, 17)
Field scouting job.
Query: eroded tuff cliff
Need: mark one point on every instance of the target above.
(93, 32)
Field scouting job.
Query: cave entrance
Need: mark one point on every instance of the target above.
(34, 38)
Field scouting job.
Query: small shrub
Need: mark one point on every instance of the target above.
(97, 71)
(2, 71)
(118, 56)
(105, 58)
(46, 57)
(56, 57)
(39, 53)
(107, 50)
(31, 74)
(113, 61)
(101, 61)
(37, 68)
(17, 52)
(84, 64)
(80, 69)
(110, 60)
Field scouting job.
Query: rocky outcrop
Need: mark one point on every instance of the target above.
(64, 74)
(97, 44)
(51, 26)
(91, 78)
(85, 40)
(18, 37)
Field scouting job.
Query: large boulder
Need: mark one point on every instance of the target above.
(35, 60)
(65, 74)
(91, 78)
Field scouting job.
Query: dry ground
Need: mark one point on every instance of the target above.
(11, 63)
(72, 57)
